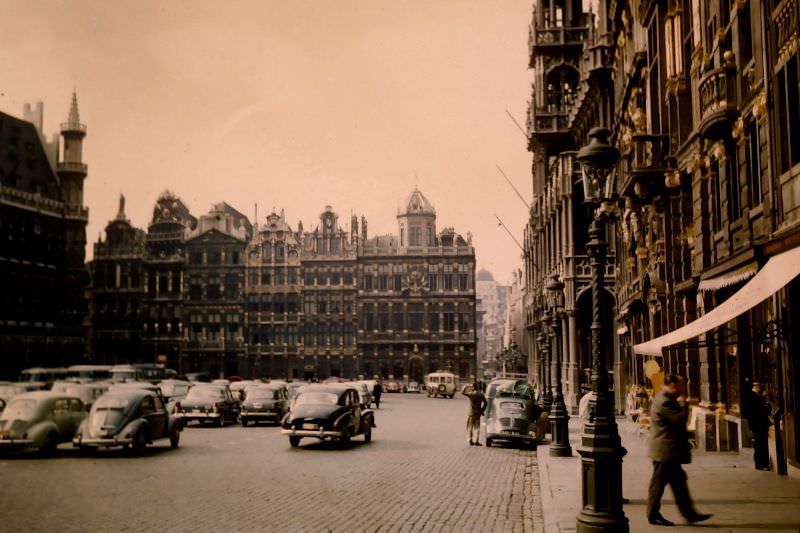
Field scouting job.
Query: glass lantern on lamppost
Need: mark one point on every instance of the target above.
(601, 451)
(559, 418)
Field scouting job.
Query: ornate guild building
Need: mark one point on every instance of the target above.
(417, 298)
(223, 296)
(702, 99)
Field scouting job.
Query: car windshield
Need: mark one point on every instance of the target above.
(515, 389)
(110, 403)
(204, 392)
(173, 389)
(512, 406)
(327, 398)
(262, 395)
(21, 409)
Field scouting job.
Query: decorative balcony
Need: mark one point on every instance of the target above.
(719, 103)
(646, 161)
(76, 212)
(543, 40)
(548, 125)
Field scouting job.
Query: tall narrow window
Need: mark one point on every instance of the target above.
(788, 110)
(753, 164)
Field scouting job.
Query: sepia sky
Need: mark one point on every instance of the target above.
(292, 105)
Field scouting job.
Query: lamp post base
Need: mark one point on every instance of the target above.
(601, 479)
(559, 430)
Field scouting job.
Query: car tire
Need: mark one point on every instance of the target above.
(244, 421)
(48, 449)
(345, 438)
(175, 438)
(489, 442)
(294, 441)
(221, 420)
(139, 443)
(368, 434)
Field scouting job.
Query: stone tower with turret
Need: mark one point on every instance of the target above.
(72, 172)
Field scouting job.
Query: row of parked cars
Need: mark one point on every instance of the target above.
(133, 414)
(122, 416)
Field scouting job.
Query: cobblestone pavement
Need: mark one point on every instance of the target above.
(418, 474)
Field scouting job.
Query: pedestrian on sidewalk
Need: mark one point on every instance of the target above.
(377, 390)
(669, 449)
(758, 419)
(477, 406)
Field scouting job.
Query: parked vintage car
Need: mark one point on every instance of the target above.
(442, 384)
(174, 389)
(210, 403)
(511, 413)
(200, 377)
(294, 389)
(128, 417)
(364, 392)
(265, 403)
(328, 412)
(8, 389)
(41, 420)
(392, 386)
(87, 392)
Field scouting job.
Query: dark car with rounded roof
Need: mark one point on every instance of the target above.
(40, 419)
(210, 402)
(328, 412)
(128, 417)
(265, 403)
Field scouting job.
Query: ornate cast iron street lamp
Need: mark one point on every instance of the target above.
(601, 451)
(559, 418)
(547, 393)
(540, 360)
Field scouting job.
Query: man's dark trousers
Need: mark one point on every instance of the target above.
(669, 473)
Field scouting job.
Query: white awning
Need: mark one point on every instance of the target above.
(729, 278)
(778, 271)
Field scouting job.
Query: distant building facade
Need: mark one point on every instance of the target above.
(223, 296)
(416, 298)
(493, 305)
(43, 276)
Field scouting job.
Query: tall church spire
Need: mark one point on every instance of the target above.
(74, 116)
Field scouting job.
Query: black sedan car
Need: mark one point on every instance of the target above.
(265, 403)
(128, 417)
(209, 402)
(328, 412)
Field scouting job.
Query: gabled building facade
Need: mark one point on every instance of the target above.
(222, 296)
(117, 292)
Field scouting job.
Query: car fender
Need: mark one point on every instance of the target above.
(367, 420)
(343, 417)
(133, 427)
(38, 432)
(172, 423)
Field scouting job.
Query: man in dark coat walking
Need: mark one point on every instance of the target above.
(758, 420)
(669, 449)
(377, 390)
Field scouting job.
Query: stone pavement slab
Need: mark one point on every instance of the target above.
(741, 498)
